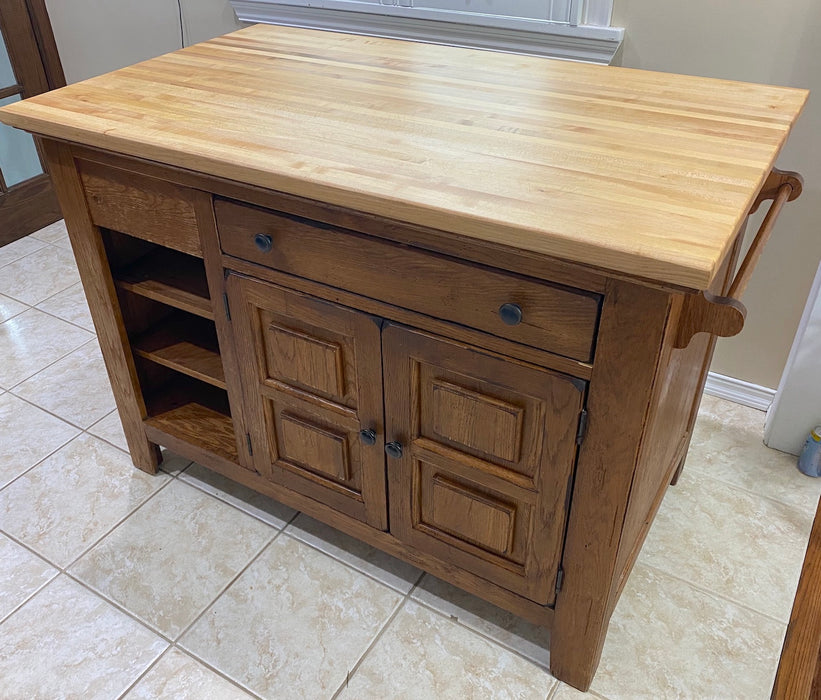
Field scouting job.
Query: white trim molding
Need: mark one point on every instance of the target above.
(739, 391)
(588, 43)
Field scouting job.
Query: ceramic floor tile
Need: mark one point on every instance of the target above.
(63, 242)
(76, 388)
(33, 340)
(170, 559)
(293, 624)
(9, 307)
(173, 463)
(503, 627)
(730, 542)
(70, 305)
(176, 675)
(727, 445)
(39, 275)
(27, 435)
(670, 640)
(110, 429)
(67, 642)
(19, 249)
(52, 232)
(24, 574)
(74, 497)
(425, 655)
(251, 502)
(566, 692)
(383, 567)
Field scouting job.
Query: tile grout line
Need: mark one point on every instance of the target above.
(222, 590)
(48, 313)
(216, 671)
(349, 565)
(227, 585)
(205, 610)
(399, 607)
(25, 255)
(197, 485)
(771, 499)
(50, 412)
(496, 642)
(712, 594)
(30, 596)
(50, 364)
(142, 675)
(150, 497)
(37, 464)
(49, 297)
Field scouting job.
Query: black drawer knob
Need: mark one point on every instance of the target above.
(511, 314)
(393, 449)
(368, 437)
(264, 242)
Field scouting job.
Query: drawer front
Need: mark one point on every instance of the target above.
(552, 318)
(483, 450)
(141, 206)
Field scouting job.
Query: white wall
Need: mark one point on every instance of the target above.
(797, 407)
(98, 36)
(766, 42)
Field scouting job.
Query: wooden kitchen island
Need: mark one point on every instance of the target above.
(458, 304)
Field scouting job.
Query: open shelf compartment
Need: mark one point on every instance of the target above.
(186, 344)
(195, 413)
(173, 278)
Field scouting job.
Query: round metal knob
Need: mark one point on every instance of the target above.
(264, 242)
(393, 449)
(511, 314)
(368, 437)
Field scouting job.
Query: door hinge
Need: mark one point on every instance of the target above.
(226, 305)
(582, 429)
(559, 579)
(250, 446)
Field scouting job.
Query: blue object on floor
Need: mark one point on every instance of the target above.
(810, 460)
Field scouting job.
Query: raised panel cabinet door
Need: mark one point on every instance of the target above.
(481, 451)
(312, 375)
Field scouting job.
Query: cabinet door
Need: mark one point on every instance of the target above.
(481, 455)
(312, 375)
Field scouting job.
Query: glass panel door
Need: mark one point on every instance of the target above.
(19, 160)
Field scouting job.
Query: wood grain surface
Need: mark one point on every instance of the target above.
(799, 671)
(642, 173)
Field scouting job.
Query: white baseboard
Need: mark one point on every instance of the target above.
(737, 390)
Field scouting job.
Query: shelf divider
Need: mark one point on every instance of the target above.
(169, 277)
(186, 344)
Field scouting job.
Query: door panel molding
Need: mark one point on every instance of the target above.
(29, 40)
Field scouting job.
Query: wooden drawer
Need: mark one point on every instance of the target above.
(553, 318)
(144, 207)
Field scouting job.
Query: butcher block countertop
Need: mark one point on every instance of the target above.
(645, 174)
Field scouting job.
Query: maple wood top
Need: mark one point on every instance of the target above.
(643, 173)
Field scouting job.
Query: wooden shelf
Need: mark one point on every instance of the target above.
(186, 344)
(194, 413)
(170, 277)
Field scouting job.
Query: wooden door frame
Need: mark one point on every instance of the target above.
(32, 49)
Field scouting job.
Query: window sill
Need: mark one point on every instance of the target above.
(513, 34)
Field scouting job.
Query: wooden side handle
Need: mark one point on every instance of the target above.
(724, 315)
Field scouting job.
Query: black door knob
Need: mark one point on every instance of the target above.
(511, 314)
(368, 437)
(264, 242)
(393, 449)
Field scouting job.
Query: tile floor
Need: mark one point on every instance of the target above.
(186, 585)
